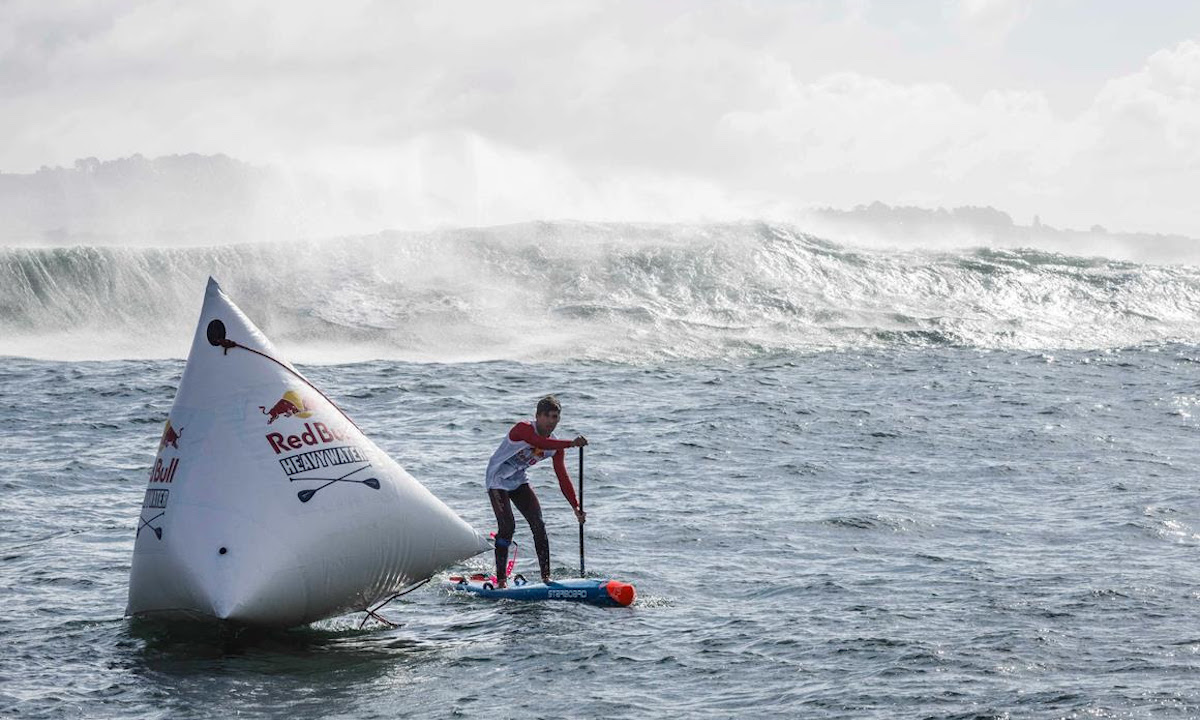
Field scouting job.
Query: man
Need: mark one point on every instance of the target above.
(527, 444)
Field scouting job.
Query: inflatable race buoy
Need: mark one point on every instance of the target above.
(267, 505)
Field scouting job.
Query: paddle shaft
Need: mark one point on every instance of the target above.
(581, 510)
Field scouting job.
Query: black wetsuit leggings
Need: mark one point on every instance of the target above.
(526, 501)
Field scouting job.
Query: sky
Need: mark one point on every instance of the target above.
(1082, 112)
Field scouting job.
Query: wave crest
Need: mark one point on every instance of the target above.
(619, 292)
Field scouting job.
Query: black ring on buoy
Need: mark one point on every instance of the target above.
(519, 579)
(216, 333)
(488, 586)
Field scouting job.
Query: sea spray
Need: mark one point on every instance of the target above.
(612, 292)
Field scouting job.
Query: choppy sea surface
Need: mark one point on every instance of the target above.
(881, 532)
(847, 482)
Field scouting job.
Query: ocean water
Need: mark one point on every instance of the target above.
(854, 485)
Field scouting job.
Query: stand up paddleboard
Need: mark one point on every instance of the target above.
(605, 593)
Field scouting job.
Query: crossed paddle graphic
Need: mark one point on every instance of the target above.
(306, 495)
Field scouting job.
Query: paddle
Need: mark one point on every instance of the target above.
(581, 510)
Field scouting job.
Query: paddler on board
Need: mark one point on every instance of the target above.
(525, 445)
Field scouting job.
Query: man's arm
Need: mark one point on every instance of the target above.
(524, 432)
(564, 480)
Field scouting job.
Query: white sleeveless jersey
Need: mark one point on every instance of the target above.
(506, 469)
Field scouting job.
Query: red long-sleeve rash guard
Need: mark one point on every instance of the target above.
(524, 432)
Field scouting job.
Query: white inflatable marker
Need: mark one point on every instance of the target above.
(266, 505)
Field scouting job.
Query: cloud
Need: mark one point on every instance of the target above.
(1152, 118)
(1143, 163)
(417, 114)
(988, 20)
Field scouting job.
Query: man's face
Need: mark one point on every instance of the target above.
(546, 422)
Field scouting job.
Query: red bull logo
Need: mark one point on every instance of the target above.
(291, 404)
(170, 436)
(314, 434)
(164, 472)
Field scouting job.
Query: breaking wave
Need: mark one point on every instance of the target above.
(614, 292)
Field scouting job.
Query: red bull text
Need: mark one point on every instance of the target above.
(314, 434)
(164, 473)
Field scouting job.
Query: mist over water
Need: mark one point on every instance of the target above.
(616, 292)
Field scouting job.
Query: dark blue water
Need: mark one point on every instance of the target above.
(904, 532)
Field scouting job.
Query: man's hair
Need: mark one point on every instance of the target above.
(547, 404)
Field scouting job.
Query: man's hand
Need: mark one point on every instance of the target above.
(581, 516)
(579, 441)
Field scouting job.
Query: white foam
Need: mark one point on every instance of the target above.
(613, 292)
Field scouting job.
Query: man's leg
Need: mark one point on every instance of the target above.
(505, 526)
(526, 501)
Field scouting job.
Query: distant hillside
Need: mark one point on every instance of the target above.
(174, 200)
(204, 200)
(878, 223)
